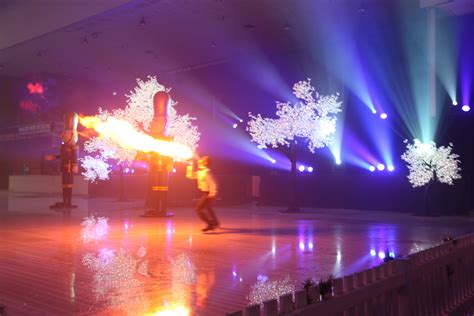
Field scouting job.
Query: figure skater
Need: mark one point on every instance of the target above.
(208, 187)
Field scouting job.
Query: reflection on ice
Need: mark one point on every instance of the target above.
(94, 229)
(184, 272)
(265, 290)
(172, 311)
(416, 247)
(119, 279)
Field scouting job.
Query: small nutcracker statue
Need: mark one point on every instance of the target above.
(67, 158)
(158, 166)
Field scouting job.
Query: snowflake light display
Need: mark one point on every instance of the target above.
(314, 118)
(265, 290)
(94, 229)
(427, 163)
(139, 113)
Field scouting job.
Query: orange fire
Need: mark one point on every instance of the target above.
(128, 137)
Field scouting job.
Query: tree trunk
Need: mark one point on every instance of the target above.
(293, 205)
(121, 186)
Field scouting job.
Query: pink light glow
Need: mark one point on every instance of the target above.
(29, 106)
(35, 88)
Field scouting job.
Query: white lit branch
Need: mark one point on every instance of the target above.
(427, 163)
(312, 119)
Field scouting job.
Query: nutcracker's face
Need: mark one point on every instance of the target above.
(161, 108)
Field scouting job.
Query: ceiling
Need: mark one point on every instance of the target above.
(108, 39)
(452, 7)
(137, 37)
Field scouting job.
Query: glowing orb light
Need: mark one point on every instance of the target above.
(301, 246)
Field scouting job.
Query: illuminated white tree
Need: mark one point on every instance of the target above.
(311, 120)
(139, 113)
(427, 163)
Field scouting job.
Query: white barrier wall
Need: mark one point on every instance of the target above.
(45, 184)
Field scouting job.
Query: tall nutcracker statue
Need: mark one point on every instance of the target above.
(159, 166)
(68, 159)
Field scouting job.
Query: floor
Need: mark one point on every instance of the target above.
(103, 258)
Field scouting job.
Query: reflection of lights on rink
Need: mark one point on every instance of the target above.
(172, 311)
(94, 229)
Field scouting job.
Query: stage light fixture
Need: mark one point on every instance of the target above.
(466, 108)
(273, 161)
(391, 254)
(455, 102)
(301, 168)
(372, 168)
(390, 168)
(381, 167)
(383, 116)
(338, 161)
(381, 255)
(234, 126)
(241, 120)
(374, 111)
(372, 252)
(310, 169)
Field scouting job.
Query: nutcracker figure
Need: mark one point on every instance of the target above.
(158, 166)
(67, 158)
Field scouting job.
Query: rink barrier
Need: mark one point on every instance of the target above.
(434, 281)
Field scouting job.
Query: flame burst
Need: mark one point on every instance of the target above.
(128, 137)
